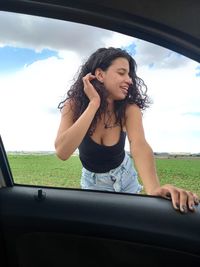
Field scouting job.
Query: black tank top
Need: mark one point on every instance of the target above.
(99, 158)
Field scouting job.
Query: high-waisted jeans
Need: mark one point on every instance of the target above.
(121, 179)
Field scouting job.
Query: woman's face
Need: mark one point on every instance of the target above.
(116, 79)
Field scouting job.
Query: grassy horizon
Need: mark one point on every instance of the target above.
(48, 170)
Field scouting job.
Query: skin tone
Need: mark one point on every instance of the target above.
(116, 80)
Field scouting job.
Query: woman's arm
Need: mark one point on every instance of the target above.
(141, 152)
(70, 134)
(144, 161)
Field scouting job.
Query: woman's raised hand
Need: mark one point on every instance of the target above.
(90, 91)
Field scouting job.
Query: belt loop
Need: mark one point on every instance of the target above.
(117, 184)
(127, 158)
(94, 177)
(113, 179)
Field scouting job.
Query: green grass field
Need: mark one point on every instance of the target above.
(48, 170)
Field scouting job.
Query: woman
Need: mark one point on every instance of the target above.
(102, 107)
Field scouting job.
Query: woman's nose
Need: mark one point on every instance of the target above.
(129, 80)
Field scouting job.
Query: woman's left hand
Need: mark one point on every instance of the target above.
(181, 199)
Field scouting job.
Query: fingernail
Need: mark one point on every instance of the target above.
(184, 209)
(192, 207)
(177, 206)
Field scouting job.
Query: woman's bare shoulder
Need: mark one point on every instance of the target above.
(68, 107)
(132, 109)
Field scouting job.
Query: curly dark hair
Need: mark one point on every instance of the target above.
(102, 59)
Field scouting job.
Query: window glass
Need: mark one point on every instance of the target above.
(39, 58)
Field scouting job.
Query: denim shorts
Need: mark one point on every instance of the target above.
(121, 179)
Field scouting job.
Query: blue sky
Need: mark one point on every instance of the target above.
(15, 58)
(198, 71)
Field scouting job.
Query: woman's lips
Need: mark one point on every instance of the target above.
(124, 90)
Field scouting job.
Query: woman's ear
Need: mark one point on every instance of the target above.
(99, 73)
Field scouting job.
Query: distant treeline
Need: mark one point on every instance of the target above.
(176, 155)
(173, 155)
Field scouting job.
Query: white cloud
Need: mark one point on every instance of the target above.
(37, 33)
(174, 93)
(157, 56)
(28, 95)
(117, 40)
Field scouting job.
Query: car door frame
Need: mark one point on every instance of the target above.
(140, 220)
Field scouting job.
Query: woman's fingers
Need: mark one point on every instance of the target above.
(181, 199)
(89, 89)
(175, 198)
(191, 201)
(86, 81)
(196, 199)
(88, 78)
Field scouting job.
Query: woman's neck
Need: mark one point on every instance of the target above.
(110, 106)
